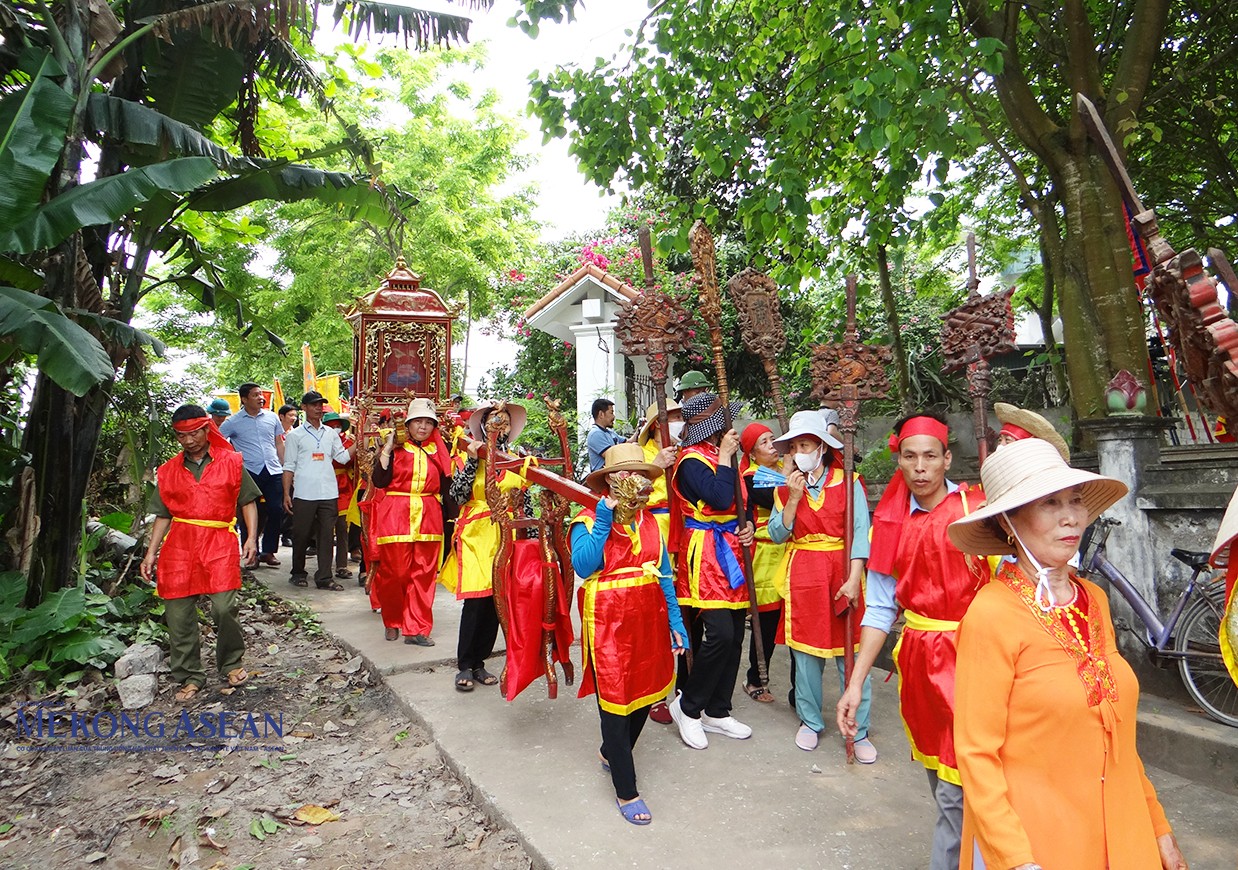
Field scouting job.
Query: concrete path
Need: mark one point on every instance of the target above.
(760, 803)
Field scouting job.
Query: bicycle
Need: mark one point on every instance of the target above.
(1190, 634)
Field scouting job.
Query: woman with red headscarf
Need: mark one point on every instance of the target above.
(198, 494)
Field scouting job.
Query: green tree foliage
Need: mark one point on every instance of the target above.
(804, 122)
(151, 84)
(295, 263)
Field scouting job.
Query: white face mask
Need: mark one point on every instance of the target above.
(676, 428)
(807, 462)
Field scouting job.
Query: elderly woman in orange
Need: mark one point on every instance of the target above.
(1044, 706)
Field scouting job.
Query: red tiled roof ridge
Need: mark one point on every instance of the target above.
(588, 270)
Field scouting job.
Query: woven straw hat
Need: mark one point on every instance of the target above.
(621, 457)
(651, 417)
(807, 423)
(703, 416)
(1017, 475)
(420, 409)
(1032, 422)
(517, 413)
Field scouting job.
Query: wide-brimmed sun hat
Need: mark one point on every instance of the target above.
(420, 409)
(807, 423)
(703, 416)
(620, 457)
(1017, 475)
(651, 417)
(1030, 424)
(517, 413)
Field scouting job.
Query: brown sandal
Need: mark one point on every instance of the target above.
(759, 693)
(238, 677)
(188, 692)
(392, 634)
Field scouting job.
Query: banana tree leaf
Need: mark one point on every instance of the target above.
(33, 122)
(193, 80)
(122, 334)
(69, 355)
(134, 124)
(20, 276)
(104, 201)
(357, 198)
(422, 27)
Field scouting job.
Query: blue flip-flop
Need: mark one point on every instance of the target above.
(632, 810)
(604, 762)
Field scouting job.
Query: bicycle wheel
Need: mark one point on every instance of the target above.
(1202, 669)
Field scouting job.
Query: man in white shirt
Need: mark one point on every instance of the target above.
(308, 452)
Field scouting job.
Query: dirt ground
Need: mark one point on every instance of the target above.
(346, 752)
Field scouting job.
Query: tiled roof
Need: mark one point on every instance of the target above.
(586, 271)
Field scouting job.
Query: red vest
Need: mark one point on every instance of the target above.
(625, 632)
(344, 477)
(935, 582)
(201, 553)
(817, 568)
(411, 507)
(699, 577)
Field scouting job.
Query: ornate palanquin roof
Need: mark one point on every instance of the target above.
(399, 293)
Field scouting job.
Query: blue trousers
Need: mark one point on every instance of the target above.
(809, 672)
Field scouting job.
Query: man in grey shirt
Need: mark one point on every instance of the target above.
(252, 431)
(308, 452)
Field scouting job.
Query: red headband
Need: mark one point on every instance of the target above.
(193, 424)
(1015, 432)
(920, 426)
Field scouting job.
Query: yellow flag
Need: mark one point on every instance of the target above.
(329, 386)
(308, 373)
(277, 397)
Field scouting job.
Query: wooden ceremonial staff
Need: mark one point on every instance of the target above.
(701, 244)
(979, 329)
(847, 372)
(755, 296)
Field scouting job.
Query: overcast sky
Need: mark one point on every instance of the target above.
(566, 202)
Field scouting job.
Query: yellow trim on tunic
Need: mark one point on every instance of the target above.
(1229, 619)
(817, 543)
(648, 573)
(931, 762)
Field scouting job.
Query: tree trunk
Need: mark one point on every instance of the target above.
(902, 374)
(1102, 320)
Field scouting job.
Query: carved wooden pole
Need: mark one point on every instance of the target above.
(847, 372)
(701, 243)
(979, 329)
(755, 296)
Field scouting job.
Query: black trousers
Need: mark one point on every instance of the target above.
(479, 628)
(715, 662)
(270, 511)
(769, 630)
(313, 520)
(619, 736)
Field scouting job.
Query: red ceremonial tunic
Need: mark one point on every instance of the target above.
(625, 631)
(816, 569)
(411, 508)
(201, 554)
(344, 477)
(699, 578)
(935, 585)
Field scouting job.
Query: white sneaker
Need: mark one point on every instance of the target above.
(690, 729)
(728, 725)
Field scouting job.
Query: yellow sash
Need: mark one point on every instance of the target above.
(230, 525)
(924, 623)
